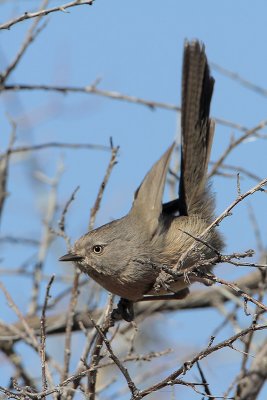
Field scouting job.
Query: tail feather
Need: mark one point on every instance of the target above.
(197, 131)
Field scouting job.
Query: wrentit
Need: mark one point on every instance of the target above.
(126, 256)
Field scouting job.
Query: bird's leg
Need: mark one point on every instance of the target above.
(124, 310)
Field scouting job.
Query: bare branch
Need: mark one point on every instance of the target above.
(243, 170)
(96, 352)
(125, 373)
(70, 314)
(19, 240)
(236, 289)
(24, 323)
(61, 223)
(43, 335)
(46, 238)
(225, 214)
(92, 89)
(196, 299)
(234, 144)
(96, 206)
(30, 37)
(42, 146)
(42, 13)
(236, 77)
(203, 354)
(251, 384)
(4, 164)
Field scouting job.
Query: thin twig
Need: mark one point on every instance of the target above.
(225, 214)
(42, 13)
(96, 206)
(30, 37)
(197, 299)
(92, 89)
(9, 394)
(22, 319)
(238, 186)
(90, 340)
(43, 334)
(249, 338)
(61, 223)
(116, 360)
(236, 77)
(71, 310)
(46, 239)
(70, 379)
(42, 146)
(243, 170)
(256, 228)
(234, 143)
(204, 381)
(4, 164)
(19, 240)
(235, 288)
(96, 352)
(30, 337)
(16, 360)
(203, 354)
(255, 377)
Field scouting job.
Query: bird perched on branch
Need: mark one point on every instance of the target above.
(126, 256)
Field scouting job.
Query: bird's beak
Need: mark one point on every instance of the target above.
(70, 257)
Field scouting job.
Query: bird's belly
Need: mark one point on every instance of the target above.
(120, 286)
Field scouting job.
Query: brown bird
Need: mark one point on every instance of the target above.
(126, 256)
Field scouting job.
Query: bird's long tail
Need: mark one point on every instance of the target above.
(197, 132)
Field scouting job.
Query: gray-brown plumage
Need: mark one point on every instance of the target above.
(126, 255)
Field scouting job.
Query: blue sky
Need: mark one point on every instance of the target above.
(135, 47)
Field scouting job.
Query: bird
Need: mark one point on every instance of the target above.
(126, 256)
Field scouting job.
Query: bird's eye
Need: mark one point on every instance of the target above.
(97, 249)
